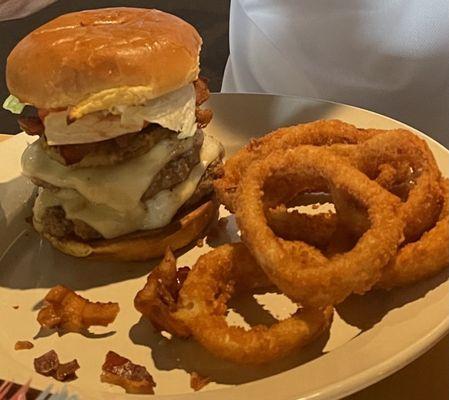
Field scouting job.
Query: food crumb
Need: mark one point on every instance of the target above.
(48, 364)
(200, 242)
(23, 345)
(197, 382)
(15, 307)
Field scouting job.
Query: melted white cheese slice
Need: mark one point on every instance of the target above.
(175, 111)
(164, 204)
(120, 186)
(154, 213)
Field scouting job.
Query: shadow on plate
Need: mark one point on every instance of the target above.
(45, 332)
(31, 262)
(189, 355)
(366, 311)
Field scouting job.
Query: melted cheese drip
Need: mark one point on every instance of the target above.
(154, 213)
(119, 186)
(174, 111)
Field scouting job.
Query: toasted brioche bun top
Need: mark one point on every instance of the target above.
(81, 54)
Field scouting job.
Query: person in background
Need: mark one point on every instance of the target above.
(13, 9)
(391, 57)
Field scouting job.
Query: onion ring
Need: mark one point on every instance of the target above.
(202, 306)
(424, 258)
(301, 226)
(318, 133)
(301, 271)
(397, 150)
(386, 156)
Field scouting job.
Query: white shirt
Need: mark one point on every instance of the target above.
(13, 9)
(388, 56)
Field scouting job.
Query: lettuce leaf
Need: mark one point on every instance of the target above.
(13, 104)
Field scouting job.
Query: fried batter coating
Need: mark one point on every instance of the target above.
(197, 382)
(157, 300)
(69, 312)
(201, 308)
(424, 258)
(397, 159)
(214, 278)
(416, 177)
(318, 133)
(299, 270)
(301, 226)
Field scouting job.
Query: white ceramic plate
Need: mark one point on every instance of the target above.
(371, 336)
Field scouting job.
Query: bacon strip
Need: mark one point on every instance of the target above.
(31, 125)
(120, 371)
(48, 364)
(201, 90)
(203, 117)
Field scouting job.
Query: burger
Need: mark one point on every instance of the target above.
(122, 164)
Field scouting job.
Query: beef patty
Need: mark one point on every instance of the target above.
(55, 223)
(174, 172)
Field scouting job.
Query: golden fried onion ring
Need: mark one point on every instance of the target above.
(318, 133)
(315, 229)
(301, 271)
(413, 262)
(384, 155)
(202, 306)
(424, 258)
(400, 151)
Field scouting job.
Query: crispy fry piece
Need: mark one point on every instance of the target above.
(23, 345)
(157, 300)
(197, 382)
(68, 311)
(120, 371)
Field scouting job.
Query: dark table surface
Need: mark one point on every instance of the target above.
(208, 16)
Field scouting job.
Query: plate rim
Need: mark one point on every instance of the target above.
(377, 372)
